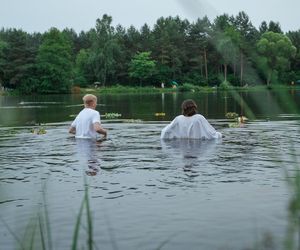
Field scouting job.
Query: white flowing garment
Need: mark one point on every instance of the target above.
(192, 127)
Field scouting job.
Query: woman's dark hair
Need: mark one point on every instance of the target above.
(189, 108)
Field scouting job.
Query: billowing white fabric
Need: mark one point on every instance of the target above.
(192, 127)
(84, 123)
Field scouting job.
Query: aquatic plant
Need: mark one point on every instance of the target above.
(160, 114)
(112, 115)
(231, 115)
(38, 131)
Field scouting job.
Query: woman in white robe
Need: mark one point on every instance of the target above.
(190, 125)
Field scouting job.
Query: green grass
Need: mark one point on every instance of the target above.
(85, 203)
(186, 87)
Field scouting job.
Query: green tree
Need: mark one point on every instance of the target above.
(82, 68)
(18, 55)
(272, 26)
(228, 50)
(295, 38)
(276, 50)
(245, 38)
(3, 46)
(198, 42)
(142, 66)
(54, 66)
(105, 50)
(263, 27)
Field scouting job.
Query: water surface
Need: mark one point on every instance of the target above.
(146, 193)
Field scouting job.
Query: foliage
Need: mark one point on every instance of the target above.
(225, 85)
(54, 63)
(187, 87)
(104, 50)
(202, 53)
(112, 115)
(81, 69)
(38, 131)
(231, 115)
(275, 49)
(141, 66)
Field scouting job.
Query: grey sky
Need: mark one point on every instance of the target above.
(40, 15)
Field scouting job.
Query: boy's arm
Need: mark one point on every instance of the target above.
(98, 128)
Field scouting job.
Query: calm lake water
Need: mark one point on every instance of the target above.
(146, 193)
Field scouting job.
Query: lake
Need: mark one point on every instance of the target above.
(145, 193)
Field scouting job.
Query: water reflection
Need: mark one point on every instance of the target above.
(150, 188)
(87, 151)
(191, 152)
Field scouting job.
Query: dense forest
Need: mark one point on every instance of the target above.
(228, 50)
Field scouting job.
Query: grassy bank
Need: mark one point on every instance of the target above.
(119, 89)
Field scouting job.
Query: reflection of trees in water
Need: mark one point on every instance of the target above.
(87, 152)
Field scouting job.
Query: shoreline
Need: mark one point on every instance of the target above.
(185, 88)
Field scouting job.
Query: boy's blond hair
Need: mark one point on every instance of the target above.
(88, 99)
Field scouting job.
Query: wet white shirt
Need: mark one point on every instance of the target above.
(192, 127)
(84, 123)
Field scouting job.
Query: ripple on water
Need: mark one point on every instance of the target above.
(183, 180)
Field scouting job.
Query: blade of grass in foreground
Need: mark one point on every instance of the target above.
(76, 230)
(42, 234)
(13, 234)
(48, 228)
(89, 220)
(31, 247)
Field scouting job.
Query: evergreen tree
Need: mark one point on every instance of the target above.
(105, 50)
(18, 57)
(54, 65)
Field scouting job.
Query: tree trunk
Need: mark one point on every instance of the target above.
(269, 77)
(205, 65)
(242, 70)
(104, 75)
(201, 68)
(234, 68)
(225, 72)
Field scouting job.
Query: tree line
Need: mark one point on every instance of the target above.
(203, 53)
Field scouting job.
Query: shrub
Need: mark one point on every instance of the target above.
(187, 87)
(225, 85)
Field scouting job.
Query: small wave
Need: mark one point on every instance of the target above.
(26, 103)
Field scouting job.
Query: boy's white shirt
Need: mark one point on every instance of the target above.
(84, 123)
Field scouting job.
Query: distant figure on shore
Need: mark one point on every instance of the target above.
(87, 123)
(189, 125)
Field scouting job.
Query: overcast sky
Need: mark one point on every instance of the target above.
(40, 15)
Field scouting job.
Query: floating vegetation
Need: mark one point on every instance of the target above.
(239, 121)
(160, 114)
(38, 131)
(231, 115)
(112, 115)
